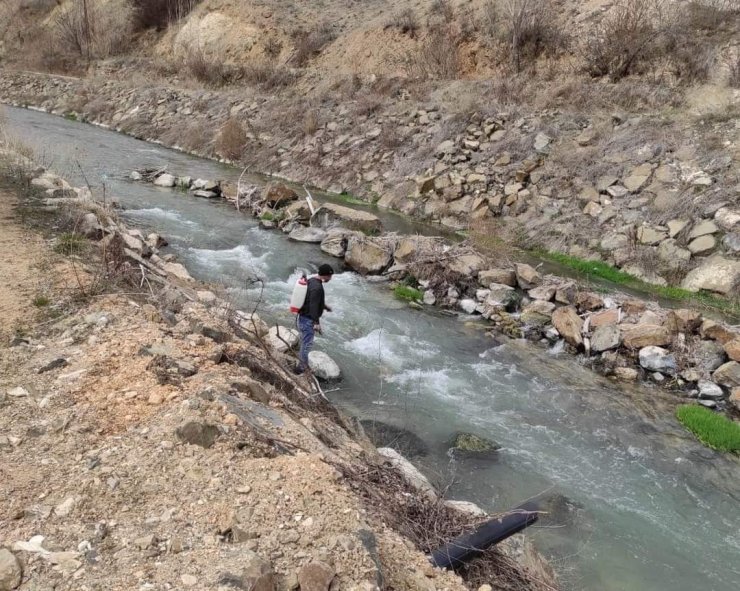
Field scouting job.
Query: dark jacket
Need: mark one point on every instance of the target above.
(314, 306)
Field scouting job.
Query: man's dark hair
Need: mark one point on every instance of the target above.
(326, 270)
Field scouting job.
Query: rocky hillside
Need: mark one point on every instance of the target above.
(556, 141)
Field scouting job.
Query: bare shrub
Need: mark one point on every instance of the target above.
(531, 30)
(157, 14)
(490, 18)
(268, 75)
(231, 140)
(444, 9)
(405, 21)
(733, 68)
(273, 47)
(310, 44)
(197, 136)
(626, 37)
(207, 69)
(88, 29)
(368, 104)
(310, 122)
(436, 57)
(709, 15)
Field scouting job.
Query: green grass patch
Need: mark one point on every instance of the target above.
(69, 243)
(267, 216)
(347, 198)
(407, 293)
(41, 301)
(70, 116)
(601, 270)
(712, 429)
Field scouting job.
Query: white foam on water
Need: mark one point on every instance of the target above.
(159, 213)
(239, 255)
(390, 349)
(436, 382)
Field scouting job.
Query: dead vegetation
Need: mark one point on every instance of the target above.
(231, 140)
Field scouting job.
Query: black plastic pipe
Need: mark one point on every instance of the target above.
(462, 550)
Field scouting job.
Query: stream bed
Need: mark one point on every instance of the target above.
(634, 502)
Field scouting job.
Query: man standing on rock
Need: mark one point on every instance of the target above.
(309, 316)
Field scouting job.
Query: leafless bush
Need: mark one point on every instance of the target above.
(231, 140)
(531, 30)
(368, 104)
(444, 9)
(207, 69)
(273, 47)
(490, 19)
(626, 37)
(310, 122)
(158, 14)
(197, 136)
(310, 44)
(709, 15)
(436, 57)
(733, 67)
(406, 22)
(268, 75)
(87, 29)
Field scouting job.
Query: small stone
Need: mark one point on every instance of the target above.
(189, 580)
(626, 374)
(11, 572)
(55, 364)
(735, 398)
(703, 229)
(145, 542)
(18, 392)
(702, 245)
(710, 390)
(65, 508)
(195, 433)
(657, 359)
(315, 576)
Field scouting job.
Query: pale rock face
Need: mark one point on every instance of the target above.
(714, 274)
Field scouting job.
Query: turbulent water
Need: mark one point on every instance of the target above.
(635, 503)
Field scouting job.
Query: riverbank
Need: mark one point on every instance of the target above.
(127, 379)
(617, 335)
(603, 189)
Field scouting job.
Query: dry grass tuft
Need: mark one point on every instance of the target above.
(309, 44)
(231, 140)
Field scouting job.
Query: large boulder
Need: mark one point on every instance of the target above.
(336, 241)
(410, 473)
(605, 337)
(466, 265)
(714, 274)
(732, 348)
(500, 297)
(165, 180)
(367, 256)
(657, 359)
(569, 324)
(502, 276)
(279, 195)
(412, 249)
(330, 215)
(310, 235)
(527, 277)
(281, 338)
(646, 335)
(473, 446)
(323, 366)
(728, 375)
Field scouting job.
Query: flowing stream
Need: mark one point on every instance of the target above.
(635, 503)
